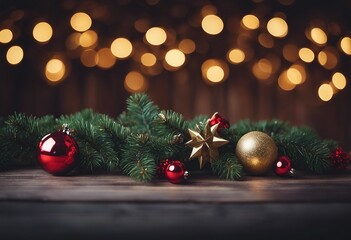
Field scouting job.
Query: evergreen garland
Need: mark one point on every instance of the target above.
(140, 138)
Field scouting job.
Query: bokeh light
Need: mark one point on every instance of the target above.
(105, 58)
(73, 41)
(319, 36)
(81, 21)
(55, 70)
(42, 32)
(88, 39)
(250, 22)
(306, 55)
(328, 58)
(277, 27)
(215, 74)
(212, 24)
(156, 36)
(325, 92)
(345, 45)
(148, 59)
(339, 80)
(236, 56)
(284, 82)
(262, 69)
(89, 58)
(187, 46)
(175, 58)
(135, 82)
(121, 48)
(214, 71)
(6, 35)
(14, 55)
(296, 74)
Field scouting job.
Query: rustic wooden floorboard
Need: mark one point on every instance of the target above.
(36, 205)
(36, 185)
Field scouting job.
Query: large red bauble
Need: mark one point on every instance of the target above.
(175, 172)
(57, 153)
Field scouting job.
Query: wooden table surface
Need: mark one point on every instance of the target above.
(36, 205)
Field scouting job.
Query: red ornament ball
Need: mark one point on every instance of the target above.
(339, 159)
(57, 153)
(216, 118)
(175, 172)
(283, 167)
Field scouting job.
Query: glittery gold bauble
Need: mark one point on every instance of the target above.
(257, 152)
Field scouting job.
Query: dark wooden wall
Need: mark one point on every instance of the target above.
(241, 96)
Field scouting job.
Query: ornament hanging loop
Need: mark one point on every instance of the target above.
(66, 129)
(292, 172)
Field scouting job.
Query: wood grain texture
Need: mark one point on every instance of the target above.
(174, 221)
(36, 205)
(37, 185)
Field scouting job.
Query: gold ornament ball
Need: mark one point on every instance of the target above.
(257, 152)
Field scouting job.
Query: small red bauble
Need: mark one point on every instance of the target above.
(216, 118)
(339, 159)
(175, 172)
(57, 153)
(283, 167)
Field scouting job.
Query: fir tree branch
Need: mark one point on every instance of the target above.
(227, 167)
(19, 137)
(116, 134)
(141, 113)
(144, 136)
(137, 161)
(96, 151)
(171, 122)
(305, 149)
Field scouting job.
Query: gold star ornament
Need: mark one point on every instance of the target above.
(205, 145)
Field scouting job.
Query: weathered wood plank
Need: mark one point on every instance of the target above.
(36, 185)
(174, 221)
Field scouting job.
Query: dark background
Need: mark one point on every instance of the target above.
(24, 87)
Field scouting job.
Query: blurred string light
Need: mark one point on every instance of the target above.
(170, 48)
(135, 82)
(156, 36)
(325, 92)
(42, 32)
(339, 80)
(214, 71)
(236, 56)
(175, 58)
(319, 36)
(6, 35)
(250, 22)
(89, 58)
(121, 48)
(306, 55)
(277, 27)
(148, 59)
(187, 46)
(81, 21)
(55, 70)
(262, 69)
(105, 58)
(87, 39)
(212, 24)
(14, 55)
(345, 45)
